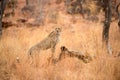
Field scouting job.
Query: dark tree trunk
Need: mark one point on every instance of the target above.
(2, 8)
(118, 12)
(80, 2)
(27, 2)
(105, 34)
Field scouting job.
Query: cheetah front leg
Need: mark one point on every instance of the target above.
(53, 49)
(51, 58)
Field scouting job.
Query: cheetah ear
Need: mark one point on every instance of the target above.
(62, 48)
(60, 28)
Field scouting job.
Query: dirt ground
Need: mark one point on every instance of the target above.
(77, 34)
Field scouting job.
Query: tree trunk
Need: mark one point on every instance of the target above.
(105, 34)
(2, 8)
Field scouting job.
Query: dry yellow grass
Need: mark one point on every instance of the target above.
(77, 34)
(83, 36)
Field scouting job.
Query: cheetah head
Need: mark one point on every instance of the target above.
(58, 30)
(63, 48)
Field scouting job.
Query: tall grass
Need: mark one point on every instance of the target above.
(77, 34)
(85, 38)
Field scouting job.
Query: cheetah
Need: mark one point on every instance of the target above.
(49, 42)
(66, 53)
